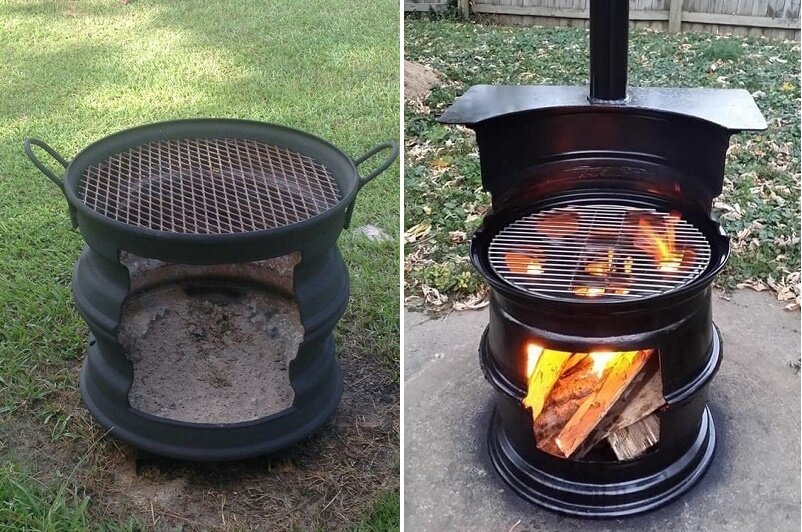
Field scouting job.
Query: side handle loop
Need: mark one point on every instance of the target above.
(27, 143)
(362, 181)
(383, 166)
(42, 168)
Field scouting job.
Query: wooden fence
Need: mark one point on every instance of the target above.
(770, 18)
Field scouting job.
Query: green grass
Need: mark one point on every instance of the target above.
(74, 71)
(725, 50)
(383, 516)
(444, 199)
(28, 504)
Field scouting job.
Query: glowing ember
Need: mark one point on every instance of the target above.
(602, 268)
(628, 266)
(597, 268)
(670, 266)
(589, 291)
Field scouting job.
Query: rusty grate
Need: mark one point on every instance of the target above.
(601, 251)
(209, 186)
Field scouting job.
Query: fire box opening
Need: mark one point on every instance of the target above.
(586, 406)
(211, 343)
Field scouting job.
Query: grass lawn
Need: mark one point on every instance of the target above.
(444, 199)
(74, 71)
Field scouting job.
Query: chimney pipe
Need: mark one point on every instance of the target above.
(609, 39)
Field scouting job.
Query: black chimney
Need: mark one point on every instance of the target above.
(609, 32)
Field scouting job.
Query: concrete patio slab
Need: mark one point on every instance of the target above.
(753, 484)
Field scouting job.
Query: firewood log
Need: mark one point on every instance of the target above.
(643, 396)
(548, 369)
(574, 359)
(634, 440)
(617, 377)
(571, 389)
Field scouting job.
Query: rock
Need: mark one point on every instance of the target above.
(419, 80)
(373, 232)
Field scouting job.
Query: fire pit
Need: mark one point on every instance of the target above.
(211, 282)
(600, 250)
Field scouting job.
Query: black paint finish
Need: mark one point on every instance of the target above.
(542, 146)
(609, 38)
(535, 141)
(678, 324)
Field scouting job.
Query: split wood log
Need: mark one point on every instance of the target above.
(575, 359)
(634, 440)
(569, 392)
(643, 396)
(623, 369)
(547, 371)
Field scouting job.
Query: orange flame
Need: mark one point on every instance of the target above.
(602, 359)
(589, 291)
(661, 247)
(533, 352)
(604, 268)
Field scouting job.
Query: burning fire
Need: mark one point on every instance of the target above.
(601, 359)
(533, 352)
(523, 263)
(569, 394)
(589, 291)
(612, 259)
(604, 359)
(612, 271)
(661, 245)
(602, 268)
(544, 367)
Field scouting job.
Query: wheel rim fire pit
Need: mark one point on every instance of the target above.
(211, 282)
(600, 250)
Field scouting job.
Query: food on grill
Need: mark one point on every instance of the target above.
(615, 252)
(559, 224)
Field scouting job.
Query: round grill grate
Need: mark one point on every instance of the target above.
(208, 186)
(600, 252)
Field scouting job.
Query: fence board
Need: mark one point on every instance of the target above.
(772, 18)
(675, 16)
(553, 12)
(741, 20)
(436, 5)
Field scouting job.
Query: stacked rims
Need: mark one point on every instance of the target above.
(211, 192)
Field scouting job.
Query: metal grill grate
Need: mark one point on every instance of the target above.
(602, 251)
(209, 186)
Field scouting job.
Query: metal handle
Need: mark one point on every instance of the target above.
(375, 172)
(383, 166)
(49, 173)
(42, 168)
